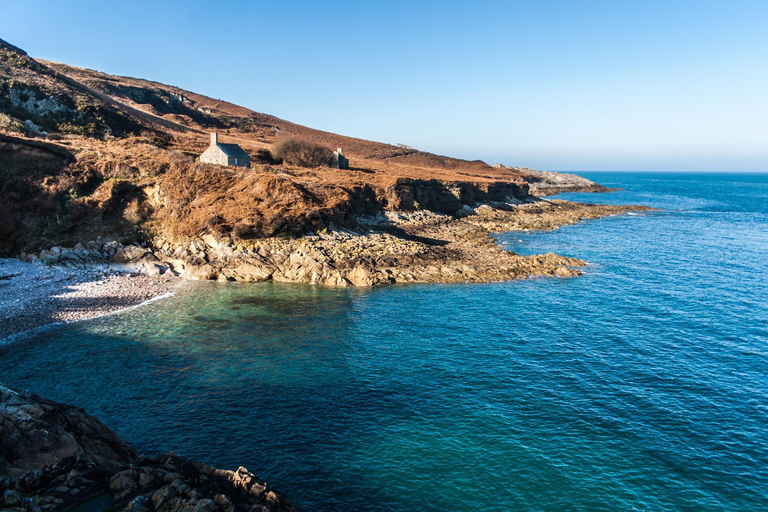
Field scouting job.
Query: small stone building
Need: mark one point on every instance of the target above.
(339, 160)
(225, 154)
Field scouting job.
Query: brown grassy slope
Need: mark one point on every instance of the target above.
(133, 142)
(131, 190)
(254, 130)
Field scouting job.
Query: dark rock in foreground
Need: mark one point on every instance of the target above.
(54, 457)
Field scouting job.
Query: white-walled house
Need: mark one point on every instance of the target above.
(225, 154)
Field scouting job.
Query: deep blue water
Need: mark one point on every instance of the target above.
(642, 385)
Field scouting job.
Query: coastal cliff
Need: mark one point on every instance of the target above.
(54, 457)
(100, 175)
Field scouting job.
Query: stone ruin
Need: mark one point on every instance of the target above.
(339, 160)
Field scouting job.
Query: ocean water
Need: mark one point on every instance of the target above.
(642, 385)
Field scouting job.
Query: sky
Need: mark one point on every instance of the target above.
(550, 84)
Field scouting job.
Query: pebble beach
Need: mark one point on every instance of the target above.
(32, 296)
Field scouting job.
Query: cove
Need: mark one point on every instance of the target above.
(640, 385)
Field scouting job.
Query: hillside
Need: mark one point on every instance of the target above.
(86, 156)
(125, 136)
(192, 114)
(64, 99)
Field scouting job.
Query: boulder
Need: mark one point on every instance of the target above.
(361, 276)
(204, 272)
(464, 211)
(70, 255)
(109, 249)
(94, 246)
(55, 457)
(31, 258)
(567, 272)
(128, 254)
(49, 257)
(250, 273)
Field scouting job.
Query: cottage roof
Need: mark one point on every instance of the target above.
(233, 150)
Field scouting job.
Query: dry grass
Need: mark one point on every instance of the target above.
(147, 182)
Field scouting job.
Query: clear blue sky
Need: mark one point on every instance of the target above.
(580, 85)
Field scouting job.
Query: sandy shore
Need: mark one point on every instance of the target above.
(32, 296)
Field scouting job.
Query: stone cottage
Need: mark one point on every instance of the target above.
(225, 154)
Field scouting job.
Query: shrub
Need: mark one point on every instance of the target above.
(217, 224)
(243, 231)
(159, 141)
(263, 156)
(11, 124)
(302, 152)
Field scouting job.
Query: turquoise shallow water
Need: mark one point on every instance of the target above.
(642, 385)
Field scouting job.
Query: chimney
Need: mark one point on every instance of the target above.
(214, 138)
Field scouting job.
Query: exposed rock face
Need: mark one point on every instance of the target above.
(30, 90)
(26, 98)
(54, 457)
(417, 247)
(171, 483)
(547, 183)
(450, 196)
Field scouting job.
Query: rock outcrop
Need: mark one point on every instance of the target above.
(405, 247)
(417, 247)
(102, 255)
(548, 183)
(54, 457)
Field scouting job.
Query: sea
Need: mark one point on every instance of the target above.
(640, 386)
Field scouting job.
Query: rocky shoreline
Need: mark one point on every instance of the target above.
(418, 247)
(101, 277)
(392, 247)
(549, 183)
(55, 457)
